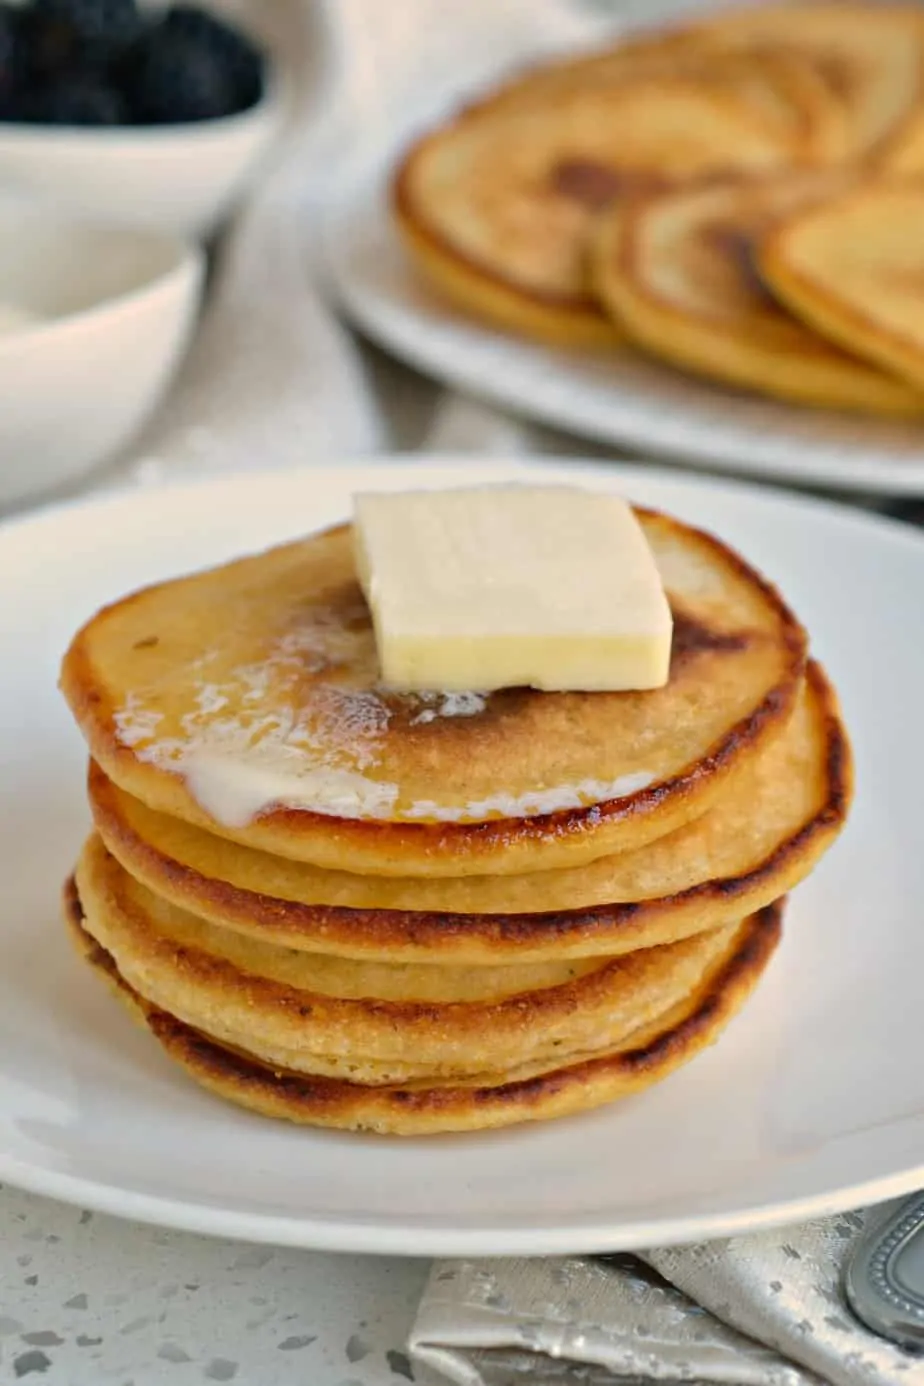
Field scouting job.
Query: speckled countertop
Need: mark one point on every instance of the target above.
(88, 1300)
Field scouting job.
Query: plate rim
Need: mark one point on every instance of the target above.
(335, 1234)
(362, 183)
(839, 508)
(584, 1233)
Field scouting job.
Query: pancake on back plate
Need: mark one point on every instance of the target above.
(679, 270)
(871, 57)
(271, 730)
(496, 205)
(854, 268)
(782, 85)
(496, 1099)
(764, 835)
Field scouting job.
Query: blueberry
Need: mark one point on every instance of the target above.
(49, 47)
(241, 59)
(99, 28)
(83, 99)
(172, 81)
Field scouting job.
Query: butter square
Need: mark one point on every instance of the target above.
(486, 587)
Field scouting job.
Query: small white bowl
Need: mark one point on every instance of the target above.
(93, 324)
(179, 179)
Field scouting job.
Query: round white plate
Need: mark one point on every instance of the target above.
(813, 1100)
(613, 398)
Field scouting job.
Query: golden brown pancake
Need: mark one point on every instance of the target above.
(648, 53)
(419, 1109)
(680, 271)
(765, 834)
(854, 268)
(271, 729)
(788, 91)
(903, 155)
(496, 205)
(784, 86)
(871, 57)
(374, 1022)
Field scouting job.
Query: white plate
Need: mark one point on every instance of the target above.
(619, 400)
(813, 1100)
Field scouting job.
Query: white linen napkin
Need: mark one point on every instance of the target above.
(761, 1310)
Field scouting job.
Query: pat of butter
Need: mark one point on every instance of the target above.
(545, 586)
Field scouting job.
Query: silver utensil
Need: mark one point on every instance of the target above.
(884, 1278)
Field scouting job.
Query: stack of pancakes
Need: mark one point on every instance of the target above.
(738, 197)
(407, 913)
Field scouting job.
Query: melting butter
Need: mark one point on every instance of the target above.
(236, 790)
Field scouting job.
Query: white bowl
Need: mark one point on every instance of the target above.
(93, 324)
(180, 179)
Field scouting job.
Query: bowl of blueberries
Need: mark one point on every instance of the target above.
(131, 114)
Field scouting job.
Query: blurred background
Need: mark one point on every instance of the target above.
(199, 262)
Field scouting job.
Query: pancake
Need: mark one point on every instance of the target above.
(270, 730)
(787, 90)
(496, 205)
(854, 268)
(783, 86)
(649, 1056)
(678, 271)
(764, 835)
(903, 156)
(871, 57)
(655, 52)
(319, 1014)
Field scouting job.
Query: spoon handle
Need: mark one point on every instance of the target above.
(884, 1278)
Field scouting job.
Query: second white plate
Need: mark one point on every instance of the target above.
(621, 400)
